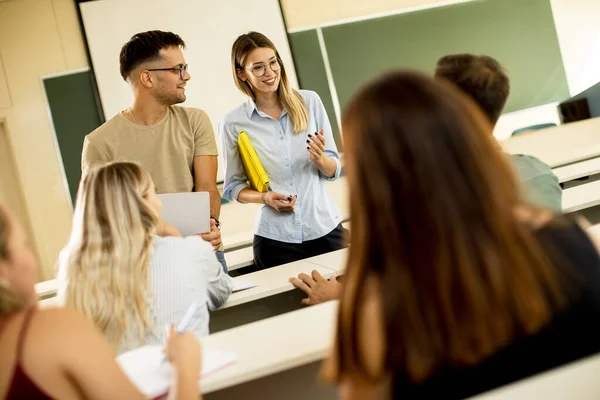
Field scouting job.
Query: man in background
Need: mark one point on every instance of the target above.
(176, 145)
(484, 80)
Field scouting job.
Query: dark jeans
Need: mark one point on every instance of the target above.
(271, 253)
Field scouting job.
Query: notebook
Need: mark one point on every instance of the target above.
(255, 172)
(188, 212)
(145, 368)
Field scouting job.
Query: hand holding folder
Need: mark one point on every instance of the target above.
(255, 172)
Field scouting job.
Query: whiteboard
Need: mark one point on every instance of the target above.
(208, 28)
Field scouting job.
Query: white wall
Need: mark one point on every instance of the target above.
(578, 33)
(578, 28)
(209, 30)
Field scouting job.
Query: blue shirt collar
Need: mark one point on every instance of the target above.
(251, 109)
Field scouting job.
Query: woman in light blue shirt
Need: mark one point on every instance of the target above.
(292, 136)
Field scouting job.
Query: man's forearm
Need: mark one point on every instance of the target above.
(215, 199)
(215, 203)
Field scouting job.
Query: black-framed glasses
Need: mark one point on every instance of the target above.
(182, 69)
(260, 70)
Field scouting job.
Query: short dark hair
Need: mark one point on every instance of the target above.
(481, 77)
(145, 46)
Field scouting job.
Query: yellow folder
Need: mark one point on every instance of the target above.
(259, 180)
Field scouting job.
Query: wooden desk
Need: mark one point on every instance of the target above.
(577, 380)
(273, 345)
(581, 197)
(336, 260)
(562, 145)
(273, 281)
(239, 258)
(578, 170)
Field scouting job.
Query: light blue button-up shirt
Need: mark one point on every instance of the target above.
(285, 158)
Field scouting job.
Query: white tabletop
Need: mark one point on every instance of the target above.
(273, 281)
(239, 258)
(581, 197)
(273, 345)
(578, 380)
(335, 260)
(561, 145)
(578, 170)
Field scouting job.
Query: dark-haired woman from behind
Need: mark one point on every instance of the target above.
(455, 285)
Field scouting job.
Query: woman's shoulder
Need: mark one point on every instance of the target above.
(181, 245)
(54, 326)
(309, 96)
(239, 113)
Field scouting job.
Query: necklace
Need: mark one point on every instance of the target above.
(132, 117)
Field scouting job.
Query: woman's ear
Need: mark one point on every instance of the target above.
(241, 75)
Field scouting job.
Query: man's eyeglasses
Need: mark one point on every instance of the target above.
(182, 69)
(260, 70)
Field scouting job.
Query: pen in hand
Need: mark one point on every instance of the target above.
(187, 318)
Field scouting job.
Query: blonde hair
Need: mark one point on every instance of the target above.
(288, 97)
(11, 301)
(108, 254)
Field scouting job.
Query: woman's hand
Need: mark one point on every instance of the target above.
(280, 202)
(316, 146)
(183, 351)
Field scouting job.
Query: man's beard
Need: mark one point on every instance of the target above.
(169, 99)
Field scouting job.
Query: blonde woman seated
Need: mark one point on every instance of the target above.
(125, 277)
(59, 354)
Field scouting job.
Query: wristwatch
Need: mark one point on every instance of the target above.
(218, 223)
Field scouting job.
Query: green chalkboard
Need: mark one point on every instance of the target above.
(310, 70)
(519, 33)
(75, 113)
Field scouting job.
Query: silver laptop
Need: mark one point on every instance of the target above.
(188, 212)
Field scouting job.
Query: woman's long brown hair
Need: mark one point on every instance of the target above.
(433, 204)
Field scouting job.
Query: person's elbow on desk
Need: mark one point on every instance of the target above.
(317, 288)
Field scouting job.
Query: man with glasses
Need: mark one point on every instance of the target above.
(176, 145)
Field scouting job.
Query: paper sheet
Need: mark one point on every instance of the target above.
(240, 284)
(145, 367)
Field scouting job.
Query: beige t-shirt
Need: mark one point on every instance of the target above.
(166, 149)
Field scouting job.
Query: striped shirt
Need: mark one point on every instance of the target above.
(182, 270)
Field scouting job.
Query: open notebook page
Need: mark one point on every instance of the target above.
(145, 368)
